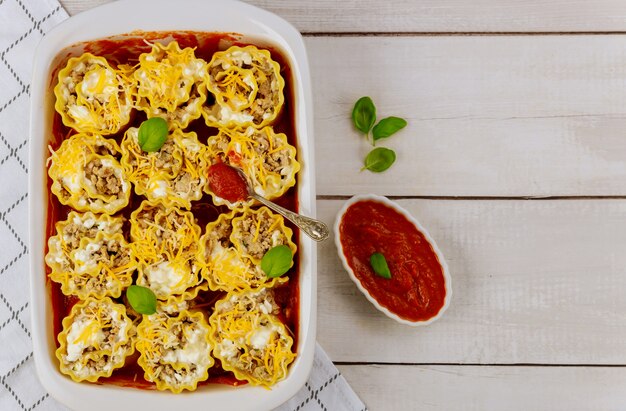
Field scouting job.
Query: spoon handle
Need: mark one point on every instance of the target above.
(315, 229)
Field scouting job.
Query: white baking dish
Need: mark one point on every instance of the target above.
(165, 15)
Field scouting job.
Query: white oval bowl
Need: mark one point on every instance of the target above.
(446, 272)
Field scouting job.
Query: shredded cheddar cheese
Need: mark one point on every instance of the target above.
(176, 174)
(174, 350)
(90, 257)
(170, 84)
(165, 240)
(248, 338)
(93, 97)
(87, 176)
(247, 86)
(223, 266)
(255, 232)
(266, 158)
(97, 337)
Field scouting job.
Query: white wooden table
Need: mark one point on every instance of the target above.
(515, 160)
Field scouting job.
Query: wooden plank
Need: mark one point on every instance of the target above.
(487, 388)
(437, 15)
(534, 281)
(488, 116)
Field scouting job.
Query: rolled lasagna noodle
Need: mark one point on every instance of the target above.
(90, 257)
(165, 241)
(266, 158)
(249, 339)
(87, 176)
(255, 232)
(92, 97)
(96, 339)
(223, 266)
(247, 86)
(175, 352)
(171, 84)
(176, 174)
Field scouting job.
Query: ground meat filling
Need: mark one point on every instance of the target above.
(164, 158)
(273, 161)
(220, 234)
(175, 353)
(76, 76)
(103, 178)
(247, 85)
(265, 99)
(259, 232)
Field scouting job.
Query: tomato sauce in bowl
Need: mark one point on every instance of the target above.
(418, 291)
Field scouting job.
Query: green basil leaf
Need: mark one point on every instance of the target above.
(277, 261)
(379, 159)
(379, 264)
(388, 126)
(142, 299)
(152, 134)
(364, 114)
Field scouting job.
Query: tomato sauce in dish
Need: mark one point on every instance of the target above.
(227, 183)
(126, 49)
(416, 290)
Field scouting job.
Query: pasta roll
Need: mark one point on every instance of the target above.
(255, 232)
(90, 257)
(176, 173)
(171, 84)
(247, 86)
(92, 97)
(86, 175)
(266, 158)
(249, 339)
(97, 337)
(175, 352)
(224, 267)
(165, 240)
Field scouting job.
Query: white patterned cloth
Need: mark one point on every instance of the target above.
(22, 25)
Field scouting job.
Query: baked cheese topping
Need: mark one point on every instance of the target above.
(170, 84)
(165, 240)
(96, 339)
(249, 339)
(247, 86)
(95, 254)
(176, 174)
(93, 97)
(223, 266)
(255, 232)
(87, 176)
(266, 158)
(175, 350)
(90, 257)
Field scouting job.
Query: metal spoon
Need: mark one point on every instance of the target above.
(315, 229)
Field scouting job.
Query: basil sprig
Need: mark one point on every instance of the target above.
(364, 114)
(142, 299)
(363, 118)
(379, 264)
(379, 159)
(387, 127)
(277, 261)
(152, 134)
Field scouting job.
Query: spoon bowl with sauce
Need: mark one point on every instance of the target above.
(231, 184)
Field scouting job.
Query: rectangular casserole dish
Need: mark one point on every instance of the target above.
(162, 15)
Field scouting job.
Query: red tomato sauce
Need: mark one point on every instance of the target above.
(416, 290)
(126, 50)
(227, 183)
